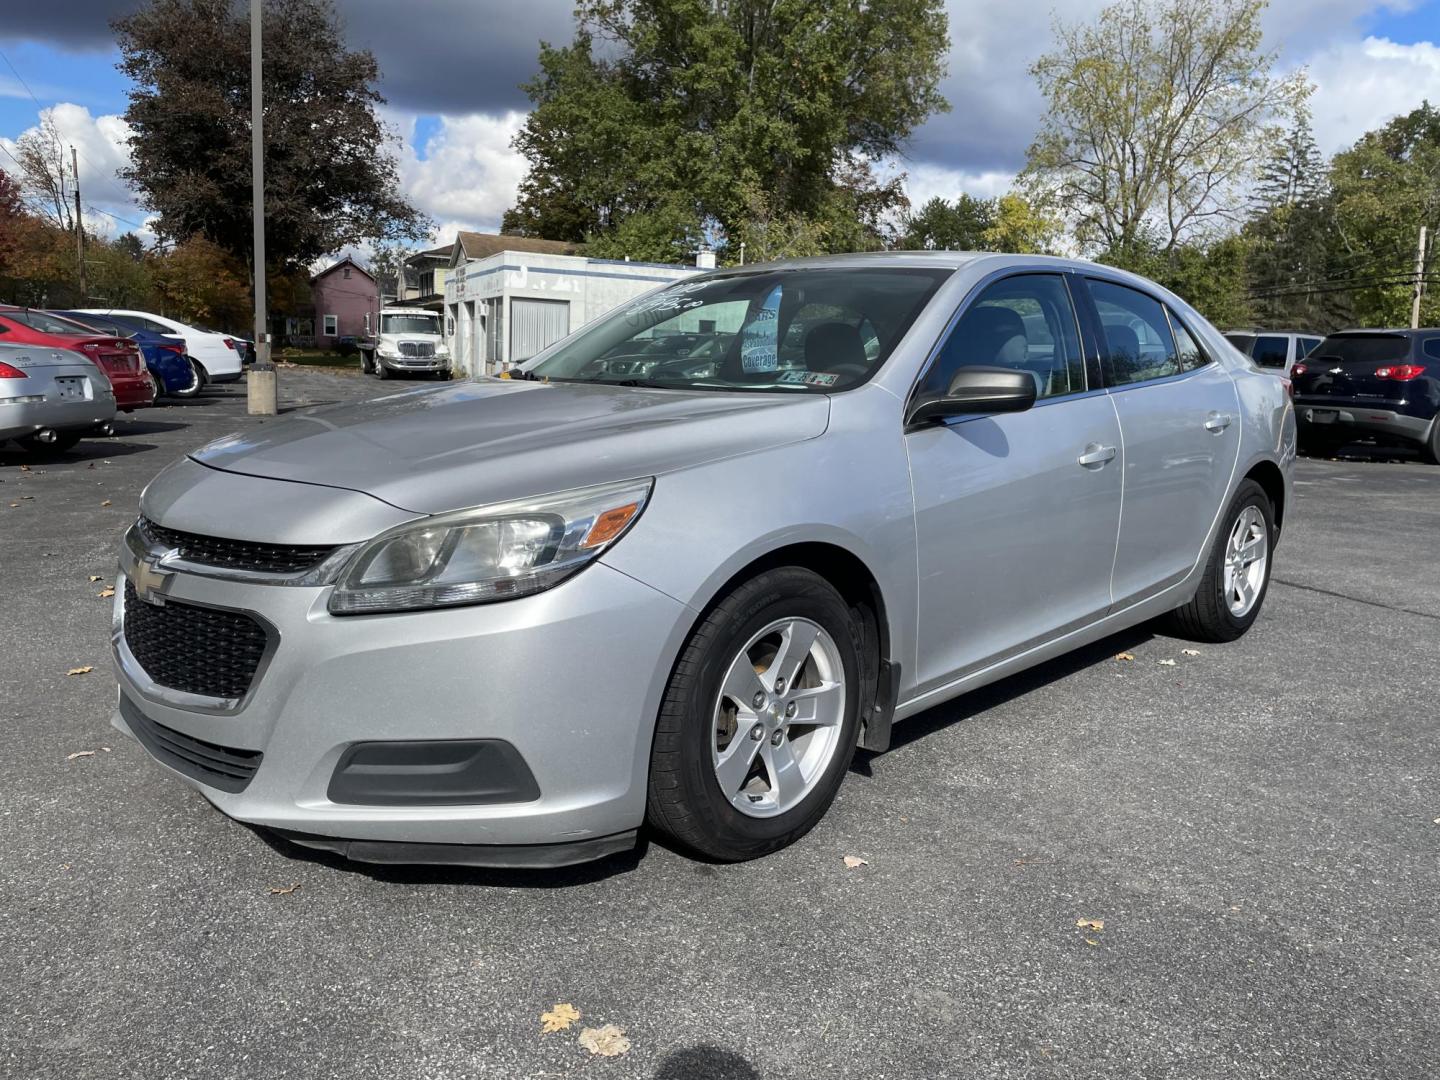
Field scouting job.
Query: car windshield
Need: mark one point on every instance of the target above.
(1363, 348)
(49, 324)
(804, 330)
(409, 324)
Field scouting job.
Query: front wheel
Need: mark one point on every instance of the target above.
(1237, 573)
(381, 371)
(759, 720)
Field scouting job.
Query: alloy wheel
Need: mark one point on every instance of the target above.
(1247, 552)
(777, 721)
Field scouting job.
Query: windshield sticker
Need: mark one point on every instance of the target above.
(809, 378)
(760, 338)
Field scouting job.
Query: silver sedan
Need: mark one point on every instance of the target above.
(51, 398)
(512, 621)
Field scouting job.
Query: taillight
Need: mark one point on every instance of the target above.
(178, 350)
(1403, 372)
(230, 343)
(1299, 369)
(8, 372)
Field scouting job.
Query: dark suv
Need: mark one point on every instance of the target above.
(1380, 384)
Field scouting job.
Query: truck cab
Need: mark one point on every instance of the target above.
(404, 340)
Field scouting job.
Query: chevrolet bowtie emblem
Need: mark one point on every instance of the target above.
(149, 580)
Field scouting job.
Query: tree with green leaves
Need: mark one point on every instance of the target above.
(662, 119)
(1154, 111)
(1383, 189)
(330, 176)
(945, 226)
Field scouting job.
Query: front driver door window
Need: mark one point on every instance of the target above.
(1016, 535)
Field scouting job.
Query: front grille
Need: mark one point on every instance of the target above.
(234, 554)
(220, 767)
(417, 348)
(197, 650)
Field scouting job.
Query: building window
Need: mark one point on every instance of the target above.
(347, 273)
(332, 325)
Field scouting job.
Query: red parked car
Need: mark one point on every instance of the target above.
(119, 358)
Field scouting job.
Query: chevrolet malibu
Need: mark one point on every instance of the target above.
(513, 621)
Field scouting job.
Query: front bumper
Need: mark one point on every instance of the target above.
(570, 678)
(414, 363)
(1317, 417)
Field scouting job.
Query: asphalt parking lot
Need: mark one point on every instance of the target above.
(1250, 834)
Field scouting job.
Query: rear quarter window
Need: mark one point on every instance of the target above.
(1271, 351)
(1432, 348)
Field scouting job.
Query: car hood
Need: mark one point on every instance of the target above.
(437, 449)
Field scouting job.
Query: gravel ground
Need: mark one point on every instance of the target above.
(1256, 827)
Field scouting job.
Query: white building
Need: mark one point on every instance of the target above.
(503, 305)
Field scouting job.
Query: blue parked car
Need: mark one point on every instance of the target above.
(164, 354)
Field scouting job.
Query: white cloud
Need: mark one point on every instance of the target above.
(924, 182)
(101, 148)
(1358, 88)
(468, 176)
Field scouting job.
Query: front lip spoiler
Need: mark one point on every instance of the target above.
(498, 856)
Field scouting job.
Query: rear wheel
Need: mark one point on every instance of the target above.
(759, 721)
(1430, 451)
(196, 381)
(1237, 573)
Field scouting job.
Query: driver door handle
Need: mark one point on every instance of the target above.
(1095, 454)
(1218, 422)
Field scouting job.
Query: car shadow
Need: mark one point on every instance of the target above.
(560, 877)
(126, 428)
(1005, 690)
(705, 1062)
(84, 451)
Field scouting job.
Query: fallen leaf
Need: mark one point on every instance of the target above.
(1190, 652)
(81, 670)
(1091, 941)
(853, 861)
(284, 890)
(94, 577)
(608, 1041)
(1166, 663)
(105, 503)
(1124, 656)
(26, 498)
(24, 468)
(79, 753)
(14, 505)
(560, 1017)
(109, 592)
(1090, 924)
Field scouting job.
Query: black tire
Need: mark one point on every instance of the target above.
(1207, 617)
(1430, 450)
(381, 371)
(684, 799)
(365, 355)
(196, 382)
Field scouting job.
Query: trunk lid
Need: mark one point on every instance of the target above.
(1346, 367)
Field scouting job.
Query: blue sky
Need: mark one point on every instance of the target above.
(454, 97)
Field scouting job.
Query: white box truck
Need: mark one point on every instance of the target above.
(404, 341)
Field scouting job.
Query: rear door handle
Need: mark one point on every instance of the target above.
(1218, 422)
(1095, 454)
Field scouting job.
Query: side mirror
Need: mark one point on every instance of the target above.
(980, 390)
(367, 322)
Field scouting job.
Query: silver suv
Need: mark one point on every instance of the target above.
(511, 621)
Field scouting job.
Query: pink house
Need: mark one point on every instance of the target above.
(343, 294)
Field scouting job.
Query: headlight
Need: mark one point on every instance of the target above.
(442, 350)
(490, 553)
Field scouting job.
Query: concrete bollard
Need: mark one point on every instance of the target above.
(262, 394)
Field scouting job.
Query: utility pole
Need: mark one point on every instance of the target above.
(79, 223)
(262, 398)
(1419, 281)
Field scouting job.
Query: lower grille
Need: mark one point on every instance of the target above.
(218, 766)
(417, 348)
(193, 649)
(234, 554)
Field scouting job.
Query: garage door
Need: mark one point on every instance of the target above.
(534, 324)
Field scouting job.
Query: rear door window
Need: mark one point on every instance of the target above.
(1139, 345)
(1271, 350)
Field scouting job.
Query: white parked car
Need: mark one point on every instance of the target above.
(219, 357)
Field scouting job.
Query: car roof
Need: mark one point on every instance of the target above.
(1276, 333)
